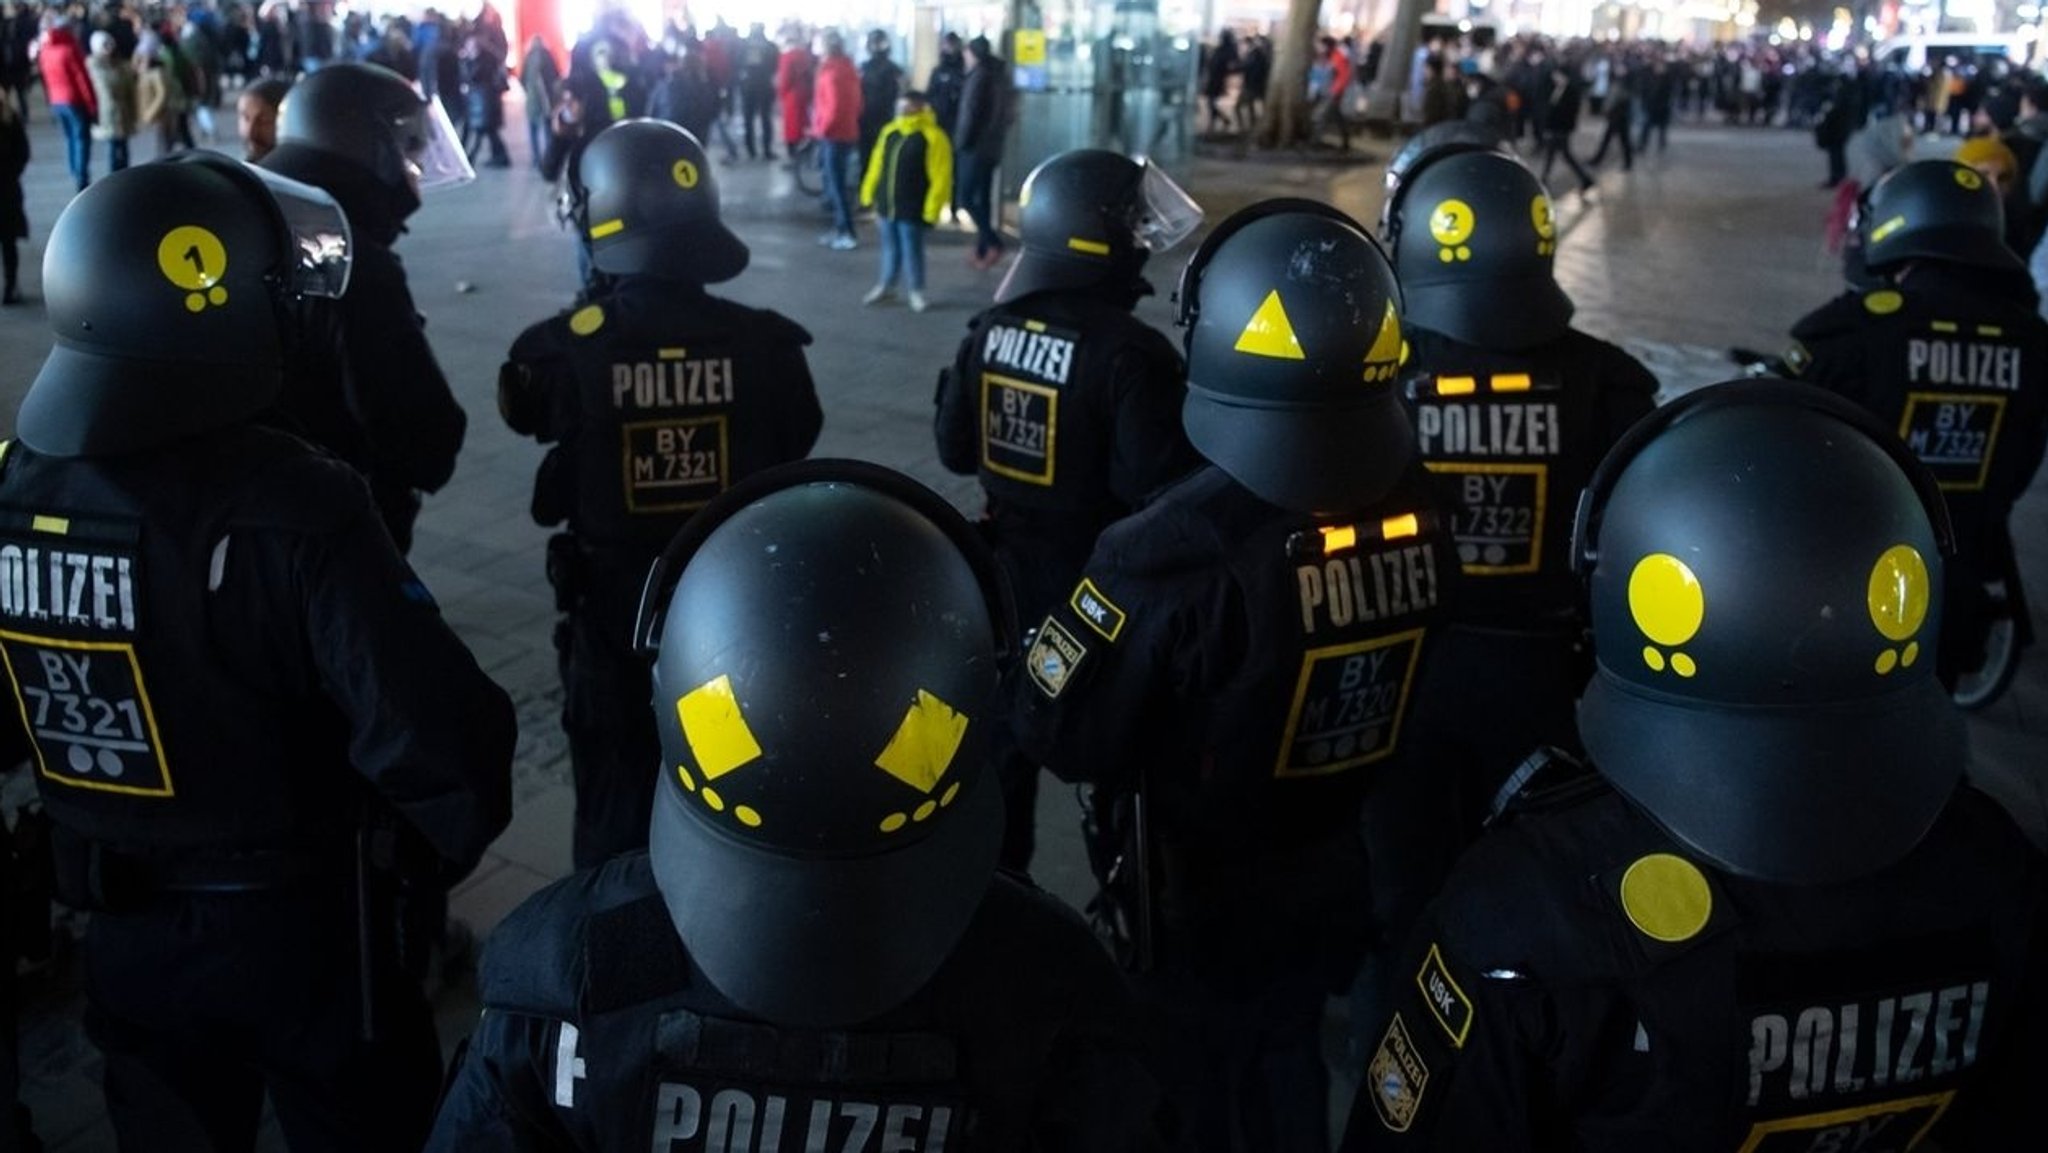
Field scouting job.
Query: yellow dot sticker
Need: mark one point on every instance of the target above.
(1666, 600)
(1883, 302)
(894, 821)
(586, 320)
(1541, 216)
(1969, 178)
(1898, 592)
(1451, 223)
(1666, 898)
(685, 174)
(192, 258)
(747, 816)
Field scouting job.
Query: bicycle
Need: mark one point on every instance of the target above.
(807, 167)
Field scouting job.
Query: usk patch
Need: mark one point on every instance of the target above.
(1054, 656)
(1446, 1001)
(1096, 610)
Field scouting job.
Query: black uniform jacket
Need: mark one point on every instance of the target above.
(599, 1033)
(1512, 438)
(1585, 983)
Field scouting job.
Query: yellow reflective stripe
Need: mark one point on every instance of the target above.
(608, 228)
(1337, 538)
(1943, 325)
(1396, 527)
(55, 525)
(1092, 247)
(1456, 385)
(1512, 382)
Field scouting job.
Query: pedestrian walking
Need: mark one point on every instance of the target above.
(835, 122)
(68, 86)
(985, 105)
(1560, 120)
(541, 78)
(113, 86)
(1619, 110)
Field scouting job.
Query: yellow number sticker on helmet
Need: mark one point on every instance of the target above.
(1969, 178)
(685, 174)
(1451, 224)
(193, 258)
(1545, 220)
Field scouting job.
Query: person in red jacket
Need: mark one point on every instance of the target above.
(835, 121)
(793, 86)
(69, 87)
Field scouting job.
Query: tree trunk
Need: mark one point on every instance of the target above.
(1384, 101)
(1287, 111)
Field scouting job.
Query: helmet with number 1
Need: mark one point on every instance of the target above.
(1765, 574)
(166, 284)
(648, 206)
(1092, 217)
(1935, 210)
(1293, 323)
(826, 638)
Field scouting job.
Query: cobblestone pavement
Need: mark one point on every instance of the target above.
(1711, 245)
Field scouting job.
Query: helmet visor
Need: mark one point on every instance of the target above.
(1170, 214)
(323, 249)
(435, 152)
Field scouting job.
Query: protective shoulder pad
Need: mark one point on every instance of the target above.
(1849, 313)
(549, 956)
(766, 324)
(1549, 778)
(277, 481)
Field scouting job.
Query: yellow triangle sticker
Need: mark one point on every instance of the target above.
(1383, 359)
(1270, 333)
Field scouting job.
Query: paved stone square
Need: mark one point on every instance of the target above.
(1711, 245)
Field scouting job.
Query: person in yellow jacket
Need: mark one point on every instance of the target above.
(910, 178)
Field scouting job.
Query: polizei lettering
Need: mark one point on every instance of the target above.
(1039, 355)
(1354, 588)
(672, 383)
(735, 1120)
(59, 586)
(1494, 429)
(1841, 1049)
(1963, 364)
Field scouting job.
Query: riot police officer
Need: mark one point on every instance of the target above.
(654, 396)
(367, 386)
(1513, 408)
(224, 665)
(1778, 919)
(1947, 350)
(1238, 659)
(1064, 404)
(816, 951)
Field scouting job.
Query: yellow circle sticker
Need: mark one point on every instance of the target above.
(1539, 214)
(1665, 599)
(192, 257)
(1898, 592)
(685, 174)
(586, 320)
(1451, 222)
(1969, 178)
(1666, 897)
(1883, 302)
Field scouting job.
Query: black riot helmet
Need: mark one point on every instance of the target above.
(1934, 210)
(1474, 242)
(375, 120)
(166, 285)
(1450, 138)
(827, 639)
(1765, 571)
(1092, 217)
(647, 204)
(1293, 340)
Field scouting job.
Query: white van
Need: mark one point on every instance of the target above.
(1915, 53)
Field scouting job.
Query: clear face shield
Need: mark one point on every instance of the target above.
(433, 151)
(323, 249)
(1169, 213)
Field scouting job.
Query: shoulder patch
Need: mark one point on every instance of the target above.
(1883, 302)
(1054, 656)
(1666, 897)
(1396, 1077)
(1447, 1002)
(1097, 611)
(587, 320)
